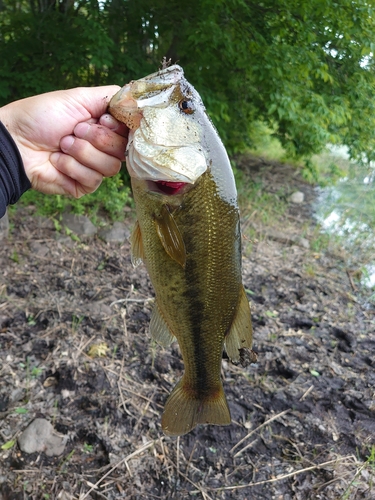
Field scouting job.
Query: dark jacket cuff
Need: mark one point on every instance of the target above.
(13, 179)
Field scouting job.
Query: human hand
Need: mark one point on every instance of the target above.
(67, 142)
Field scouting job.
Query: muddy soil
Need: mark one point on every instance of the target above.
(75, 350)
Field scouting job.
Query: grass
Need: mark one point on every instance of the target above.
(369, 467)
(111, 197)
(256, 202)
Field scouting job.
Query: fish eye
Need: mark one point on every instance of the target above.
(186, 106)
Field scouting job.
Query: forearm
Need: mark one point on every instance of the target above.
(13, 180)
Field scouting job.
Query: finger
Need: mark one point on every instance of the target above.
(94, 99)
(110, 121)
(102, 138)
(86, 180)
(49, 180)
(87, 155)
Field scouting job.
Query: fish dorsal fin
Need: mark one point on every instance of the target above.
(159, 329)
(136, 242)
(240, 334)
(170, 235)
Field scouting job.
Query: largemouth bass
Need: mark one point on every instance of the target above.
(188, 235)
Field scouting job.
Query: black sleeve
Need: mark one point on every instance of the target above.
(13, 180)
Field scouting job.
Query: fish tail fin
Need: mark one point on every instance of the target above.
(184, 410)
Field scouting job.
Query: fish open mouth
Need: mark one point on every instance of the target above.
(168, 188)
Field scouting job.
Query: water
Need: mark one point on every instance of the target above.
(347, 211)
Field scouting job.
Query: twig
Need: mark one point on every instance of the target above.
(354, 288)
(141, 301)
(80, 349)
(143, 413)
(124, 460)
(190, 457)
(123, 402)
(279, 478)
(255, 430)
(199, 488)
(178, 455)
(165, 459)
(306, 393)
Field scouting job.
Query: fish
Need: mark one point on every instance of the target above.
(188, 235)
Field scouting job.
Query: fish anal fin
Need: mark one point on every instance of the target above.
(170, 235)
(240, 334)
(183, 410)
(136, 242)
(159, 329)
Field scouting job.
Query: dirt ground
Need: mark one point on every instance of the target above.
(75, 350)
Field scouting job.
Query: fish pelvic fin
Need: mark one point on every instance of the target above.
(184, 410)
(240, 334)
(136, 242)
(159, 329)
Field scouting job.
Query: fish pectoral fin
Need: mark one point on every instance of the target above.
(159, 329)
(183, 411)
(240, 334)
(136, 242)
(170, 235)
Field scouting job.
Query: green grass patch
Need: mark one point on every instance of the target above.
(111, 197)
(257, 204)
(323, 169)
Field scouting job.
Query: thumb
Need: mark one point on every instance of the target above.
(94, 99)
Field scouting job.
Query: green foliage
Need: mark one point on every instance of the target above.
(264, 143)
(87, 448)
(112, 196)
(257, 204)
(8, 445)
(20, 411)
(304, 69)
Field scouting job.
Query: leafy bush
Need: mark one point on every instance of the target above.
(303, 69)
(112, 196)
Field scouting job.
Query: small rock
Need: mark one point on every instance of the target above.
(303, 242)
(64, 241)
(4, 401)
(17, 395)
(297, 197)
(97, 310)
(40, 436)
(118, 232)
(79, 224)
(4, 322)
(4, 227)
(39, 249)
(64, 495)
(44, 222)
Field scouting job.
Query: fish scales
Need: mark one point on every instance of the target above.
(188, 235)
(203, 296)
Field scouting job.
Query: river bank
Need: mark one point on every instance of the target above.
(75, 351)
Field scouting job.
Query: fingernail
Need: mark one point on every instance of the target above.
(54, 158)
(81, 130)
(108, 121)
(66, 143)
